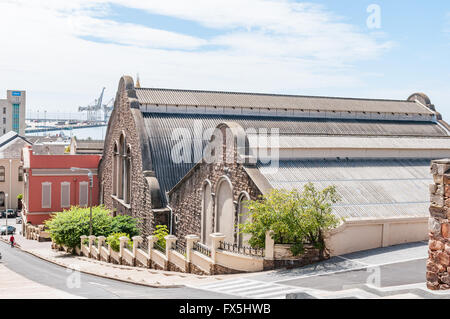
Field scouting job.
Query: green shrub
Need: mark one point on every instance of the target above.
(114, 241)
(125, 224)
(67, 227)
(161, 232)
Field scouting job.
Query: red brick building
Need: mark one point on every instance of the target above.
(51, 186)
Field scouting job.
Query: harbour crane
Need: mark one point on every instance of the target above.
(97, 106)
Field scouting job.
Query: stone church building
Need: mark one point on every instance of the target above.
(377, 153)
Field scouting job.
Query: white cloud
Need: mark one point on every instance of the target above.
(447, 22)
(272, 46)
(132, 34)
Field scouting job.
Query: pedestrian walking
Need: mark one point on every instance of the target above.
(11, 240)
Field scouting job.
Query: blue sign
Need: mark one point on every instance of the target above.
(16, 93)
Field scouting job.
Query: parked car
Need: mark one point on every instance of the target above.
(11, 213)
(11, 230)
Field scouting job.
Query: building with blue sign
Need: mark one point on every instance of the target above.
(12, 112)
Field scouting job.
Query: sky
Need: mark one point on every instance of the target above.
(64, 52)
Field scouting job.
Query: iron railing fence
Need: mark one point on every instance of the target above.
(240, 249)
(159, 247)
(203, 249)
(178, 247)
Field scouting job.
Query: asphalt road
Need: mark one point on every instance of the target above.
(92, 287)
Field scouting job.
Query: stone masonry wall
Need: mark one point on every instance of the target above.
(122, 122)
(438, 265)
(186, 200)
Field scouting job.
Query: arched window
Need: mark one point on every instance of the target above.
(243, 217)
(225, 222)
(2, 173)
(115, 171)
(121, 167)
(207, 213)
(128, 176)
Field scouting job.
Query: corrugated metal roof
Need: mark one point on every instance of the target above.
(159, 128)
(369, 188)
(255, 100)
(334, 142)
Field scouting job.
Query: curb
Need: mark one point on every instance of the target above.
(93, 273)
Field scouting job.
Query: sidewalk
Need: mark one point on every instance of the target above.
(136, 275)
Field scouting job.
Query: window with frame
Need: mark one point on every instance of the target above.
(121, 180)
(20, 174)
(84, 194)
(46, 195)
(115, 169)
(65, 194)
(16, 118)
(128, 176)
(2, 173)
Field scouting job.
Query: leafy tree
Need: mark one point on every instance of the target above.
(125, 224)
(294, 217)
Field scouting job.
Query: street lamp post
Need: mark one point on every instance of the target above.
(91, 184)
(10, 180)
(6, 215)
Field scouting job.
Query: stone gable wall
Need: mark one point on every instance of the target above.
(438, 264)
(122, 121)
(186, 200)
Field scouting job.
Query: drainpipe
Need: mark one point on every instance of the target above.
(170, 219)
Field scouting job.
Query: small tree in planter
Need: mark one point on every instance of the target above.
(294, 217)
(19, 201)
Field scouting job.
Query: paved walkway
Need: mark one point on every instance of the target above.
(15, 286)
(136, 275)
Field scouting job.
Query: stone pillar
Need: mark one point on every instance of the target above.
(190, 240)
(82, 239)
(270, 246)
(269, 252)
(101, 240)
(438, 264)
(137, 241)
(91, 243)
(170, 240)
(123, 241)
(216, 238)
(151, 241)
